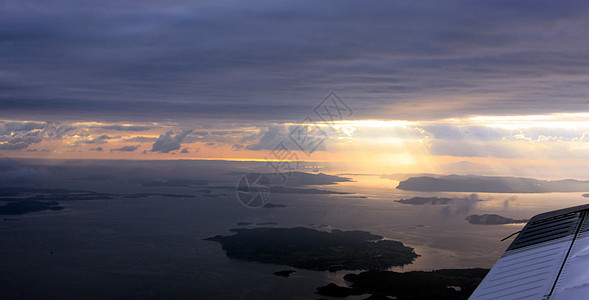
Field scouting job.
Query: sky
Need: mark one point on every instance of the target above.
(490, 87)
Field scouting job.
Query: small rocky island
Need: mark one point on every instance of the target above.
(307, 248)
(425, 200)
(492, 219)
(23, 207)
(285, 273)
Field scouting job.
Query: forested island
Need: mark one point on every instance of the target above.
(23, 207)
(307, 248)
(440, 284)
(425, 200)
(491, 184)
(492, 219)
(23, 200)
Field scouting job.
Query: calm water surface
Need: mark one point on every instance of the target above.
(153, 247)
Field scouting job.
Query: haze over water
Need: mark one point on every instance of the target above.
(153, 246)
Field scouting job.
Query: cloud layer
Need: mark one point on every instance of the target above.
(169, 142)
(275, 61)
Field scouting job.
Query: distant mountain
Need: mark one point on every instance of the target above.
(491, 184)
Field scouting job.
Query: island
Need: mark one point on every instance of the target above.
(285, 273)
(272, 205)
(334, 290)
(425, 200)
(297, 178)
(439, 284)
(294, 190)
(492, 219)
(23, 200)
(280, 189)
(23, 207)
(144, 195)
(308, 248)
(491, 184)
(175, 182)
(301, 178)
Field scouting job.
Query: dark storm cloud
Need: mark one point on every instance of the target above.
(20, 135)
(295, 137)
(125, 149)
(99, 149)
(97, 140)
(23, 126)
(276, 61)
(126, 127)
(269, 139)
(169, 142)
(236, 147)
(19, 140)
(200, 133)
(141, 139)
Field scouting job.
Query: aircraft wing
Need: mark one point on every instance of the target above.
(549, 259)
